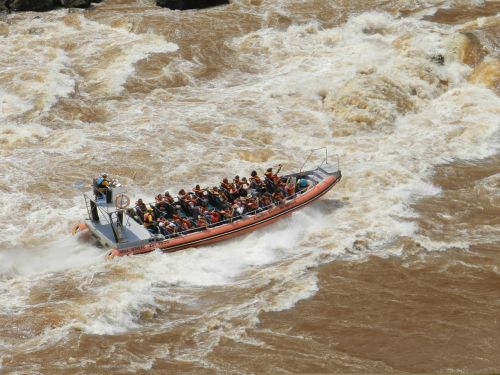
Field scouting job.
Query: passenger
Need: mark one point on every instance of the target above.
(217, 198)
(215, 217)
(225, 184)
(168, 198)
(251, 205)
(149, 221)
(243, 190)
(166, 204)
(234, 192)
(269, 173)
(278, 197)
(184, 200)
(203, 200)
(256, 182)
(181, 194)
(238, 208)
(195, 210)
(163, 226)
(198, 191)
(272, 179)
(171, 227)
(207, 215)
(266, 201)
(176, 220)
(237, 182)
(226, 214)
(302, 184)
(140, 208)
(276, 178)
(290, 189)
(160, 205)
(186, 223)
(227, 189)
(201, 222)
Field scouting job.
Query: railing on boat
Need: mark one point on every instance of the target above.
(93, 210)
(324, 161)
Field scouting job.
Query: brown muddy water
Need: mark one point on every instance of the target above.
(395, 271)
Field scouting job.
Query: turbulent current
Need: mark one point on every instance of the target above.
(396, 270)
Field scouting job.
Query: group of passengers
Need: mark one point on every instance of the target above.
(201, 207)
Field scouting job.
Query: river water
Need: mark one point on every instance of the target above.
(396, 270)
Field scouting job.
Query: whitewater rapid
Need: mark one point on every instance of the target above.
(369, 89)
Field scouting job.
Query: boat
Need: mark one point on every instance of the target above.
(118, 228)
(190, 4)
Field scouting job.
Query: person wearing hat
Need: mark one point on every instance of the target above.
(101, 187)
(102, 181)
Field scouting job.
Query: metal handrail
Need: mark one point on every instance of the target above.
(104, 213)
(325, 161)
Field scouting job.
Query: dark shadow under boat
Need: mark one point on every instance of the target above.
(190, 4)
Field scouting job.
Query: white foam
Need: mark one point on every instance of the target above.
(65, 254)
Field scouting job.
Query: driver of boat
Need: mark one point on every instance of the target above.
(102, 181)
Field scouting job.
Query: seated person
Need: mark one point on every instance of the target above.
(278, 196)
(266, 201)
(183, 201)
(201, 195)
(168, 198)
(302, 184)
(234, 192)
(251, 205)
(149, 221)
(181, 194)
(225, 185)
(176, 220)
(237, 181)
(290, 189)
(165, 227)
(216, 198)
(186, 223)
(243, 190)
(256, 182)
(140, 207)
(159, 198)
(272, 179)
(201, 222)
(238, 208)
